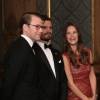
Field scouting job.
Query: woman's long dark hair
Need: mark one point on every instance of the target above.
(83, 52)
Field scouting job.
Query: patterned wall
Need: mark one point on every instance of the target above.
(62, 11)
(42, 6)
(78, 11)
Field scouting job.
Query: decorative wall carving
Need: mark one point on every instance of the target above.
(78, 11)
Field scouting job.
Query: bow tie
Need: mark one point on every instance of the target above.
(47, 46)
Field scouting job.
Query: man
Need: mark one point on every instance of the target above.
(21, 70)
(52, 79)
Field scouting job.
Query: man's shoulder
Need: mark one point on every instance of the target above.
(55, 50)
(57, 53)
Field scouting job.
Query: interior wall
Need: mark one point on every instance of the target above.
(13, 9)
(96, 41)
(0, 16)
(96, 33)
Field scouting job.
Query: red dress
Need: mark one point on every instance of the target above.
(81, 79)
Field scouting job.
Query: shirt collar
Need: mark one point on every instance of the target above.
(41, 44)
(27, 39)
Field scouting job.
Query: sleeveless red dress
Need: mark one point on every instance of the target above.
(81, 79)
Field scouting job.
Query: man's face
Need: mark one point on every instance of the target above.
(35, 28)
(47, 31)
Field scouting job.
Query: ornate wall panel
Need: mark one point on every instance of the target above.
(42, 6)
(78, 11)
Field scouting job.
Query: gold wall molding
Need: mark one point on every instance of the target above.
(49, 8)
(92, 15)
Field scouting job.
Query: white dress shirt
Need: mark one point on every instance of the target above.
(49, 56)
(30, 42)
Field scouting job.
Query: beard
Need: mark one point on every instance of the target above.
(46, 36)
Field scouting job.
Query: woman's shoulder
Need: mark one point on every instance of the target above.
(87, 49)
(65, 54)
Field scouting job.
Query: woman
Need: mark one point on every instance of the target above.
(78, 66)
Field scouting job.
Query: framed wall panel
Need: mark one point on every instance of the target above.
(96, 31)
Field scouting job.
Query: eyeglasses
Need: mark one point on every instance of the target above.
(37, 26)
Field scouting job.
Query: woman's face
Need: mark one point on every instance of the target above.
(71, 35)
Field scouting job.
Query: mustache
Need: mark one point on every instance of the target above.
(46, 36)
(48, 33)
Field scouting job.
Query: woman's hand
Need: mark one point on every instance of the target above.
(92, 98)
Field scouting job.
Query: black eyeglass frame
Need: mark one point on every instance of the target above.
(37, 26)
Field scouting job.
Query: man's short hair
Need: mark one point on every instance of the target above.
(26, 18)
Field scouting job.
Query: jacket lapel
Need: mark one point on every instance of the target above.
(56, 62)
(40, 54)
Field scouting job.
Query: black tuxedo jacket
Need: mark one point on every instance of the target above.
(50, 87)
(20, 72)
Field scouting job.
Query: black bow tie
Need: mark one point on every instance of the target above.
(47, 46)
